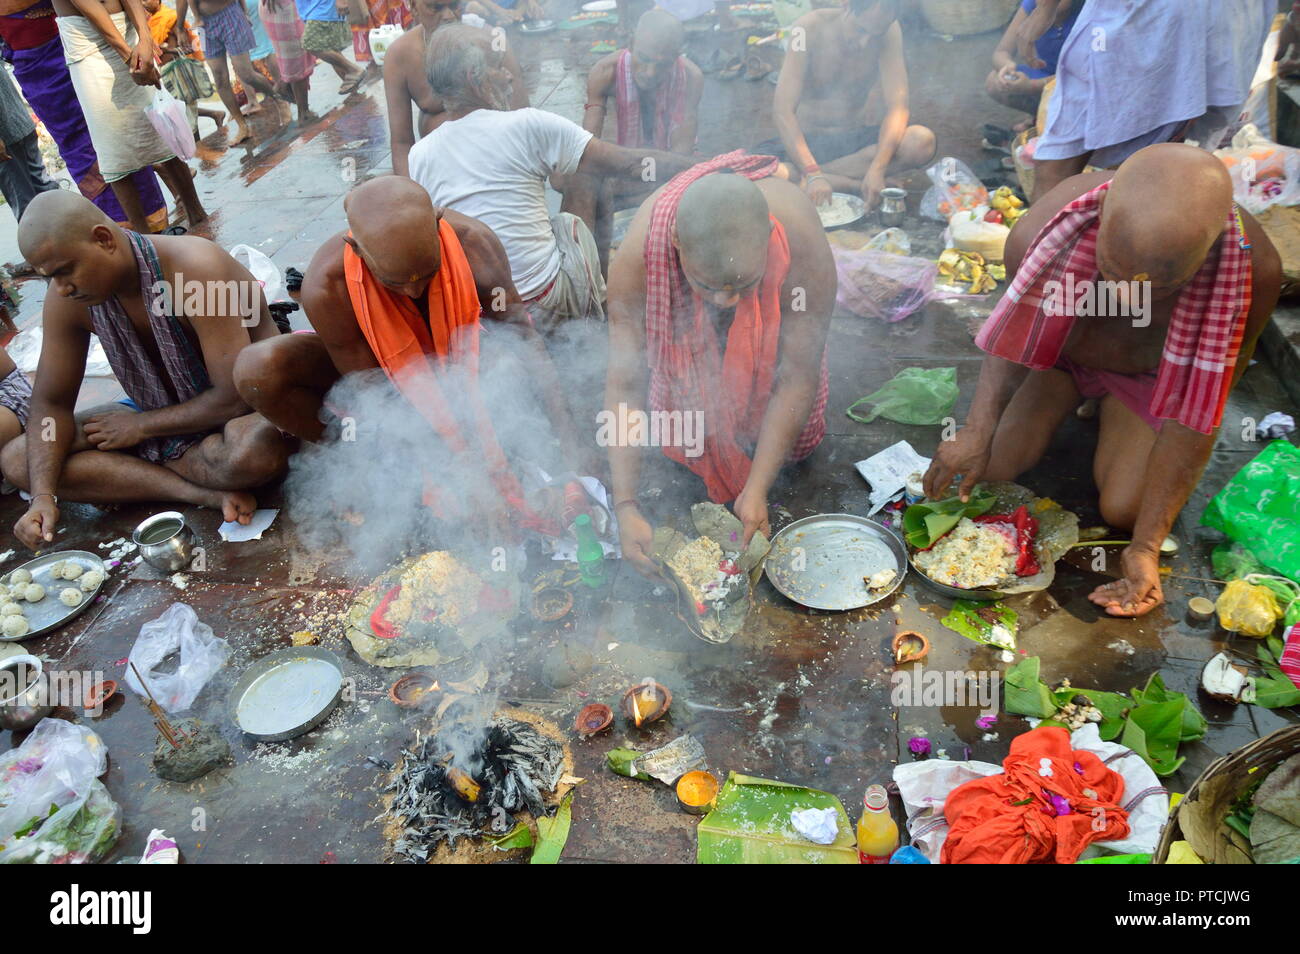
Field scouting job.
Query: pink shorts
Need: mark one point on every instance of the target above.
(1133, 390)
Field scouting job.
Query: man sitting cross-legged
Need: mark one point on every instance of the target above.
(172, 313)
(404, 290)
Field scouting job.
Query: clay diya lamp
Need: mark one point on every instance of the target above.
(910, 646)
(412, 691)
(552, 603)
(595, 717)
(697, 792)
(646, 702)
(99, 694)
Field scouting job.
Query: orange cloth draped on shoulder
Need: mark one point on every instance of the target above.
(1047, 806)
(413, 352)
(161, 23)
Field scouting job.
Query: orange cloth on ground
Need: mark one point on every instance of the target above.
(734, 410)
(986, 826)
(413, 352)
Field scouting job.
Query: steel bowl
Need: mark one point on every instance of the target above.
(26, 700)
(163, 550)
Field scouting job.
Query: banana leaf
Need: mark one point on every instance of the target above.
(1026, 693)
(964, 618)
(621, 761)
(552, 833)
(1112, 705)
(521, 836)
(751, 825)
(1274, 689)
(924, 523)
(1193, 724)
(1153, 731)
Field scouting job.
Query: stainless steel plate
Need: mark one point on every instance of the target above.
(49, 614)
(287, 692)
(843, 209)
(537, 26)
(819, 561)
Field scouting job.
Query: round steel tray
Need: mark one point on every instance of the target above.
(49, 614)
(857, 210)
(819, 561)
(286, 693)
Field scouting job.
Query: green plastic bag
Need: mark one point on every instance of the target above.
(1260, 508)
(913, 396)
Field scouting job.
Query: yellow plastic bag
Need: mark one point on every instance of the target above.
(1248, 609)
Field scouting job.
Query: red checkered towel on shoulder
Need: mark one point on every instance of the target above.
(688, 372)
(1205, 331)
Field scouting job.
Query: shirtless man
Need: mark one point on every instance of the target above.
(172, 313)
(397, 233)
(1164, 232)
(227, 32)
(751, 254)
(663, 87)
(847, 75)
(406, 81)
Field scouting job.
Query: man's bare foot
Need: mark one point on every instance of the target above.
(241, 133)
(237, 505)
(307, 116)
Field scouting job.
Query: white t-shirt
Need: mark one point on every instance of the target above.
(493, 165)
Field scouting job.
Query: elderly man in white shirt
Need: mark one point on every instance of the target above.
(492, 163)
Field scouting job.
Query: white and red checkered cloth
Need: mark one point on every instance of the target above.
(1205, 331)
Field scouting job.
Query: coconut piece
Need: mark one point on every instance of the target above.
(1224, 680)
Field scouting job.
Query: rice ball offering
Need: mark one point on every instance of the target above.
(71, 596)
(71, 570)
(20, 575)
(91, 579)
(11, 608)
(56, 568)
(34, 593)
(15, 626)
(972, 556)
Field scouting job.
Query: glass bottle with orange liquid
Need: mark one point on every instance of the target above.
(877, 832)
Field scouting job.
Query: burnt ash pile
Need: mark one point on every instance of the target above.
(439, 801)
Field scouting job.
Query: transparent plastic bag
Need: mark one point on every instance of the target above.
(1263, 172)
(263, 269)
(201, 652)
(880, 285)
(955, 189)
(167, 116)
(1248, 609)
(53, 808)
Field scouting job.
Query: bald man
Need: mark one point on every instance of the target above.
(172, 313)
(405, 82)
(406, 282)
(719, 303)
(1146, 288)
(656, 94)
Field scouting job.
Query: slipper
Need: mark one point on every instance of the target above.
(351, 85)
(756, 68)
(292, 279)
(995, 134)
(175, 230)
(735, 66)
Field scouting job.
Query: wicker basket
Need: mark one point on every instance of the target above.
(1198, 818)
(964, 17)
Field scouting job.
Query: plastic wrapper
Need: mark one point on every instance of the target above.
(877, 284)
(1263, 172)
(1260, 508)
(263, 269)
(913, 396)
(53, 808)
(954, 188)
(167, 116)
(1248, 609)
(201, 652)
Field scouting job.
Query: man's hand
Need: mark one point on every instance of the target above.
(114, 431)
(966, 454)
(1138, 592)
(141, 64)
(35, 528)
(872, 185)
(818, 189)
(637, 538)
(751, 509)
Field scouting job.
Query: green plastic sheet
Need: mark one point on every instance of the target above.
(913, 396)
(1260, 508)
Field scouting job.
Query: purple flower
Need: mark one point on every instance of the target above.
(1078, 768)
(918, 745)
(986, 721)
(734, 536)
(1061, 806)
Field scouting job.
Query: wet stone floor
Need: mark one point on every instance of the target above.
(800, 695)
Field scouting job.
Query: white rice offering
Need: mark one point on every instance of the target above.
(972, 556)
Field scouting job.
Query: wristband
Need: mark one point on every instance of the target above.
(623, 503)
(51, 496)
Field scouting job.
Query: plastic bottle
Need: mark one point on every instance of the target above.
(591, 556)
(877, 832)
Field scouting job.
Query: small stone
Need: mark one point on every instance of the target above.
(197, 755)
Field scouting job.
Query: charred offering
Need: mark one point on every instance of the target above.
(438, 800)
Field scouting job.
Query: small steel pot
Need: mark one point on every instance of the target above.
(162, 550)
(893, 206)
(24, 700)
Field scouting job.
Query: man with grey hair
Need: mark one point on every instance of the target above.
(492, 163)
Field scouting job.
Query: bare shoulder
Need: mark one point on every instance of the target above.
(791, 207)
(324, 291)
(1044, 210)
(602, 72)
(483, 249)
(197, 258)
(408, 46)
